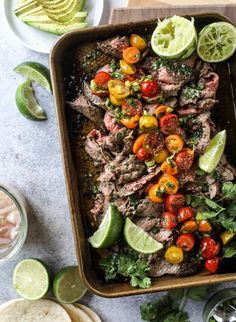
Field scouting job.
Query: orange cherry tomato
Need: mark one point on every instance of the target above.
(137, 42)
(130, 122)
(138, 143)
(131, 55)
(161, 155)
(204, 226)
(174, 143)
(169, 184)
(155, 193)
(162, 110)
(186, 242)
(189, 226)
(169, 167)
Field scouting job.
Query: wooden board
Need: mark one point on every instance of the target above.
(150, 3)
(122, 15)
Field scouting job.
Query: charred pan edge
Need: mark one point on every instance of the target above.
(117, 289)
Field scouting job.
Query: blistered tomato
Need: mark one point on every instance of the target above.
(118, 89)
(169, 184)
(149, 88)
(161, 155)
(184, 159)
(131, 55)
(130, 122)
(153, 142)
(169, 123)
(147, 123)
(101, 79)
(174, 202)
(209, 247)
(127, 68)
(169, 166)
(186, 242)
(174, 143)
(162, 110)
(212, 264)
(169, 220)
(143, 155)
(185, 213)
(132, 107)
(138, 143)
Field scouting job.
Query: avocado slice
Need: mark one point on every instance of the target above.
(26, 8)
(65, 14)
(57, 28)
(79, 17)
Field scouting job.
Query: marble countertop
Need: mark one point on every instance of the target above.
(30, 160)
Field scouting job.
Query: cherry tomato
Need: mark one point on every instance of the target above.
(169, 167)
(147, 123)
(169, 123)
(149, 88)
(130, 122)
(131, 55)
(101, 79)
(118, 89)
(132, 107)
(189, 226)
(209, 247)
(161, 155)
(137, 42)
(143, 155)
(212, 264)
(98, 90)
(174, 143)
(186, 242)
(127, 68)
(115, 101)
(155, 193)
(168, 220)
(204, 226)
(184, 213)
(169, 184)
(184, 159)
(162, 110)
(153, 142)
(174, 255)
(174, 202)
(138, 143)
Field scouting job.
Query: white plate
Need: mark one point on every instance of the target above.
(41, 41)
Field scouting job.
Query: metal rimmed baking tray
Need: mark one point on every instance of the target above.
(224, 115)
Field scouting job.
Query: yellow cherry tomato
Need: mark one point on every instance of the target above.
(162, 110)
(174, 255)
(226, 236)
(126, 68)
(169, 166)
(155, 193)
(147, 123)
(169, 184)
(174, 143)
(130, 122)
(161, 155)
(137, 42)
(118, 89)
(115, 101)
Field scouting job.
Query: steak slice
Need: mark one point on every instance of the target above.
(114, 46)
(160, 267)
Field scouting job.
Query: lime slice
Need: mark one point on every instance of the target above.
(139, 240)
(216, 42)
(173, 38)
(67, 285)
(31, 279)
(211, 157)
(35, 72)
(27, 104)
(109, 230)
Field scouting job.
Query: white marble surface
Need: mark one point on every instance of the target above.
(30, 160)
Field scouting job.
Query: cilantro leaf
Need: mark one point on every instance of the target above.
(229, 190)
(213, 205)
(206, 215)
(148, 311)
(177, 317)
(197, 293)
(229, 250)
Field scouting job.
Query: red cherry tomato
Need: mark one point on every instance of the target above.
(169, 123)
(132, 107)
(209, 247)
(153, 142)
(149, 88)
(184, 159)
(212, 264)
(184, 213)
(143, 155)
(186, 242)
(101, 79)
(174, 202)
(169, 220)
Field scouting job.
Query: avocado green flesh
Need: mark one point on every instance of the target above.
(56, 28)
(79, 17)
(63, 16)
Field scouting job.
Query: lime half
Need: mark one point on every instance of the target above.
(139, 240)
(27, 104)
(35, 72)
(211, 157)
(174, 38)
(31, 279)
(109, 230)
(216, 42)
(67, 285)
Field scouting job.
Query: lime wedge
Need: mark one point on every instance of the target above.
(174, 38)
(31, 279)
(109, 230)
(27, 104)
(35, 72)
(216, 42)
(67, 285)
(139, 240)
(211, 157)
